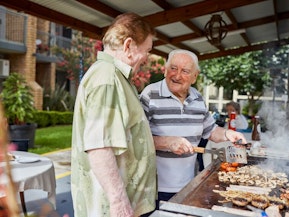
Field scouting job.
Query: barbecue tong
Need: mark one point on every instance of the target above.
(229, 154)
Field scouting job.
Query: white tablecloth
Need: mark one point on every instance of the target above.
(35, 175)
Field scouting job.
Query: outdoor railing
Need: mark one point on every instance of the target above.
(13, 26)
(46, 41)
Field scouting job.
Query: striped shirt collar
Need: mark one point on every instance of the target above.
(165, 92)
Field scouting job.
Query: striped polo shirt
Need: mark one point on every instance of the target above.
(168, 116)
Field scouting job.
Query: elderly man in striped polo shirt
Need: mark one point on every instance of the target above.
(178, 120)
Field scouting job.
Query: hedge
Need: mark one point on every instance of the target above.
(52, 118)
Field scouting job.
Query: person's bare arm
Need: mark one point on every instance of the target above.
(104, 166)
(175, 144)
(220, 134)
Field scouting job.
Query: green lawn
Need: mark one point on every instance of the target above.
(52, 139)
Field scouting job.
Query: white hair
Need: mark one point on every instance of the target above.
(181, 51)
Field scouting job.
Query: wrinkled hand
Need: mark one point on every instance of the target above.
(180, 145)
(121, 209)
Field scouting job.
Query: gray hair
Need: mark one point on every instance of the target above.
(181, 51)
(235, 105)
(124, 26)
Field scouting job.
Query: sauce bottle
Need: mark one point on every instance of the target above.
(256, 129)
(232, 121)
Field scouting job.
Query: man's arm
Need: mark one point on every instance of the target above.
(175, 144)
(220, 134)
(104, 166)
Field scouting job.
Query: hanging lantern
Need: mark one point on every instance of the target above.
(216, 29)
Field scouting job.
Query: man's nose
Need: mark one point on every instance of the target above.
(178, 73)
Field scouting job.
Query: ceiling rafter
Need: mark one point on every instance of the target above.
(194, 10)
(166, 6)
(54, 16)
(113, 13)
(245, 49)
(103, 8)
(163, 4)
(232, 19)
(246, 39)
(185, 47)
(236, 25)
(158, 52)
(193, 27)
(246, 24)
(170, 14)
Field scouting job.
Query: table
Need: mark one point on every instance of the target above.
(33, 175)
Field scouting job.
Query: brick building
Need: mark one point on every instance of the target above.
(25, 43)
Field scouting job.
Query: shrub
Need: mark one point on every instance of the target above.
(58, 100)
(52, 118)
(17, 99)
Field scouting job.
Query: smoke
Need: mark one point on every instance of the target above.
(276, 136)
(277, 125)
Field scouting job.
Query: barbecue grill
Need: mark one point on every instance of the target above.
(198, 198)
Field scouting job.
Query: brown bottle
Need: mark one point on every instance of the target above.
(256, 129)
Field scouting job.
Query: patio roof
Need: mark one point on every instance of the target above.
(252, 24)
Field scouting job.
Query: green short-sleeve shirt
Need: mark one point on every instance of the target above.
(108, 113)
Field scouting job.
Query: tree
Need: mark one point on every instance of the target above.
(151, 72)
(247, 73)
(83, 52)
(76, 59)
(276, 62)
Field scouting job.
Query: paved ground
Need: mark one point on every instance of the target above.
(61, 161)
(37, 199)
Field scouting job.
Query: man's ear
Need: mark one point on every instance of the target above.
(196, 74)
(127, 46)
(166, 71)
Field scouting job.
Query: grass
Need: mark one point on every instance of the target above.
(51, 139)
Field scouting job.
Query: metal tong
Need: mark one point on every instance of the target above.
(239, 143)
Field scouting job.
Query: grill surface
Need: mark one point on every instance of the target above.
(199, 194)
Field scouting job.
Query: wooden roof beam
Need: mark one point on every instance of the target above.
(236, 26)
(195, 10)
(158, 52)
(54, 16)
(167, 6)
(187, 23)
(99, 6)
(246, 24)
(245, 49)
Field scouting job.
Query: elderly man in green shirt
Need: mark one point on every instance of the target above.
(113, 156)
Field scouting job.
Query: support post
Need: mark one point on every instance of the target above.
(287, 106)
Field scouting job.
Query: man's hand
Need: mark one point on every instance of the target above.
(175, 144)
(234, 136)
(121, 209)
(104, 166)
